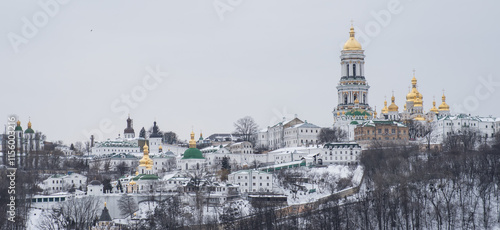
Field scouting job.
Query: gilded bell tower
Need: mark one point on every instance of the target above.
(352, 86)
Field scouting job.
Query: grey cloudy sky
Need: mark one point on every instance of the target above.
(265, 59)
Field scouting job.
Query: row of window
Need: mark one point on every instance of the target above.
(48, 199)
(253, 184)
(346, 152)
(340, 158)
(253, 177)
(385, 138)
(57, 182)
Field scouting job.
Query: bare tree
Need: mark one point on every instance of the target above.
(170, 137)
(414, 128)
(246, 127)
(427, 131)
(79, 147)
(75, 213)
(88, 148)
(96, 165)
(107, 165)
(127, 205)
(122, 168)
(168, 214)
(327, 135)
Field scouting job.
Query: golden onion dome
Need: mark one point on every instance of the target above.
(356, 101)
(343, 112)
(444, 106)
(192, 142)
(418, 102)
(419, 118)
(338, 113)
(145, 161)
(352, 43)
(410, 96)
(385, 109)
(132, 183)
(393, 107)
(414, 81)
(434, 109)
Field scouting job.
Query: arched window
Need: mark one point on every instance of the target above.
(345, 98)
(354, 70)
(364, 98)
(348, 70)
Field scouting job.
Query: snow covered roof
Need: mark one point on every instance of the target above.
(469, 117)
(342, 145)
(246, 172)
(305, 125)
(118, 143)
(373, 123)
(294, 149)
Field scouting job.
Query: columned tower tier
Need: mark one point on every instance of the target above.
(352, 107)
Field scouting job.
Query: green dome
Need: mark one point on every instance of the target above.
(19, 128)
(29, 130)
(193, 153)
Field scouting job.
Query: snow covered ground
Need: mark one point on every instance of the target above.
(33, 219)
(333, 173)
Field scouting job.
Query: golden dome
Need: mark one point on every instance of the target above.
(132, 182)
(146, 161)
(29, 124)
(413, 92)
(414, 81)
(393, 107)
(18, 123)
(375, 112)
(356, 101)
(343, 112)
(444, 106)
(411, 95)
(192, 142)
(338, 113)
(160, 148)
(434, 109)
(419, 118)
(352, 43)
(384, 110)
(418, 103)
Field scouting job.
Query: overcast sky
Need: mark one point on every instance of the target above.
(85, 64)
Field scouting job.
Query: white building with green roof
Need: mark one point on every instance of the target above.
(192, 158)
